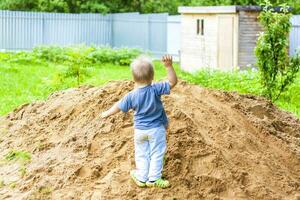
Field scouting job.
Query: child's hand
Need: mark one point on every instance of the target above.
(104, 114)
(167, 60)
(113, 110)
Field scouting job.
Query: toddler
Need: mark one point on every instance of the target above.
(150, 120)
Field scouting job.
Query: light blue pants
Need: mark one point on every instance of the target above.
(150, 148)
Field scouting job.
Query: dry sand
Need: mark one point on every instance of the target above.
(220, 146)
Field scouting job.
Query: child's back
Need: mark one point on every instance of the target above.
(146, 103)
(150, 120)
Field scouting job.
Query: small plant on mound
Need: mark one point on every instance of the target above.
(277, 69)
(22, 171)
(18, 155)
(77, 62)
(13, 184)
(2, 184)
(22, 156)
(45, 190)
(42, 192)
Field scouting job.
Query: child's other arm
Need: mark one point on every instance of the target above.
(172, 77)
(113, 110)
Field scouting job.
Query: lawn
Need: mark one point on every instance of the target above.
(26, 82)
(23, 83)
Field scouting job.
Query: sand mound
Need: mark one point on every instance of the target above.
(220, 146)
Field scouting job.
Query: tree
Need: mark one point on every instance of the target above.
(116, 6)
(25, 5)
(277, 69)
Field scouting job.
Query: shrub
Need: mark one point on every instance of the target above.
(277, 69)
(22, 57)
(121, 56)
(50, 53)
(77, 60)
(63, 55)
(98, 55)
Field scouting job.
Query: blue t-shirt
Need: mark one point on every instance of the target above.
(146, 103)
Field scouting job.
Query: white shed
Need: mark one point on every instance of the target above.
(219, 37)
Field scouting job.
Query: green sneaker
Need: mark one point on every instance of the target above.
(136, 181)
(160, 183)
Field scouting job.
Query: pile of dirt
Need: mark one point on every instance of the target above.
(220, 146)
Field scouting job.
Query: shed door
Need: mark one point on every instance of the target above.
(225, 41)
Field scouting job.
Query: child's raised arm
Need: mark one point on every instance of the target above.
(113, 110)
(168, 63)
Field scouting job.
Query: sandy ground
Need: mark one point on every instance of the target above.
(220, 146)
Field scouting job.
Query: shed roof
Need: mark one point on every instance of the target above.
(217, 9)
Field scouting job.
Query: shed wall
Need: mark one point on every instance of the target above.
(198, 51)
(249, 29)
(295, 35)
(227, 41)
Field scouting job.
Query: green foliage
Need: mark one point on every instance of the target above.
(277, 70)
(52, 6)
(23, 83)
(77, 61)
(25, 5)
(21, 57)
(77, 58)
(122, 56)
(73, 55)
(108, 6)
(51, 53)
(94, 7)
(18, 155)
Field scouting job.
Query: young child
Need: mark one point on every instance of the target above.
(150, 120)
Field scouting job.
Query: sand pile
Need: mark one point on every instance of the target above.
(220, 146)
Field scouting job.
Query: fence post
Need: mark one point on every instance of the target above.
(148, 33)
(111, 21)
(42, 16)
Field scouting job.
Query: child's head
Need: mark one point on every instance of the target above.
(142, 70)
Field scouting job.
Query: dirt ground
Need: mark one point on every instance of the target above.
(221, 145)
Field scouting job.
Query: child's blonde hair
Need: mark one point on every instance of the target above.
(142, 69)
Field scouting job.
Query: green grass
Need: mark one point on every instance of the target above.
(25, 82)
(246, 82)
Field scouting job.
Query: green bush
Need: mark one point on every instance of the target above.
(277, 69)
(63, 55)
(121, 56)
(97, 55)
(22, 57)
(51, 53)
